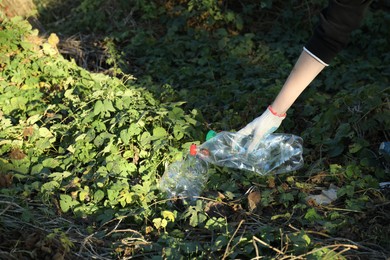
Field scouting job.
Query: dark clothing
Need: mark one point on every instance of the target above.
(337, 21)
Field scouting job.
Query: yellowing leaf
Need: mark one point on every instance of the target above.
(83, 195)
(44, 132)
(53, 40)
(168, 215)
(48, 49)
(160, 223)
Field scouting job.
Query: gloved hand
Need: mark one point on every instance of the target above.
(261, 126)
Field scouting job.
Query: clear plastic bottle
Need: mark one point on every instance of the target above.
(276, 152)
(187, 178)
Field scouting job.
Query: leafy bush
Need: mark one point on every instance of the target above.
(86, 140)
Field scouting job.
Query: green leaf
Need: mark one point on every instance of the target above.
(134, 129)
(145, 139)
(66, 202)
(59, 176)
(355, 147)
(312, 215)
(159, 132)
(50, 163)
(335, 150)
(286, 197)
(98, 195)
(50, 186)
(112, 195)
(178, 132)
(98, 108)
(125, 136)
(108, 106)
(19, 103)
(33, 119)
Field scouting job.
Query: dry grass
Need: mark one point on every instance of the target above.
(88, 51)
(13, 8)
(31, 230)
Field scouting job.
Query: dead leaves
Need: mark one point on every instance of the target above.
(6, 180)
(28, 132)
(254, 199)
(16, 154)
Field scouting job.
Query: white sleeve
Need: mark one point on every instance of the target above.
(315, 57)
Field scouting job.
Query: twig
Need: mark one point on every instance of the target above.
(7, 255)
(129, 241)
(256, 250)
(116, 226)
(310, 231)
(5, 210)
(231, 239)
(10, 203)
(348, 247)
(268, 245)
(360, 245)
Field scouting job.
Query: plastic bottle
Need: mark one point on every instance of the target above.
(185, 179)
(276, 152)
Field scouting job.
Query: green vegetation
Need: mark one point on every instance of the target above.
(82, 149)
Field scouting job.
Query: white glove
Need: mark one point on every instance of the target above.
(261, 126)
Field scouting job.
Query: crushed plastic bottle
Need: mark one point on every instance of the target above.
(185, 178)
(276, 153)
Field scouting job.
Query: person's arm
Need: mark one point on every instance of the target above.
(337, 21)
(303, 73)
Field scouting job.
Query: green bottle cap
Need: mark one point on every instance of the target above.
(210, 134)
